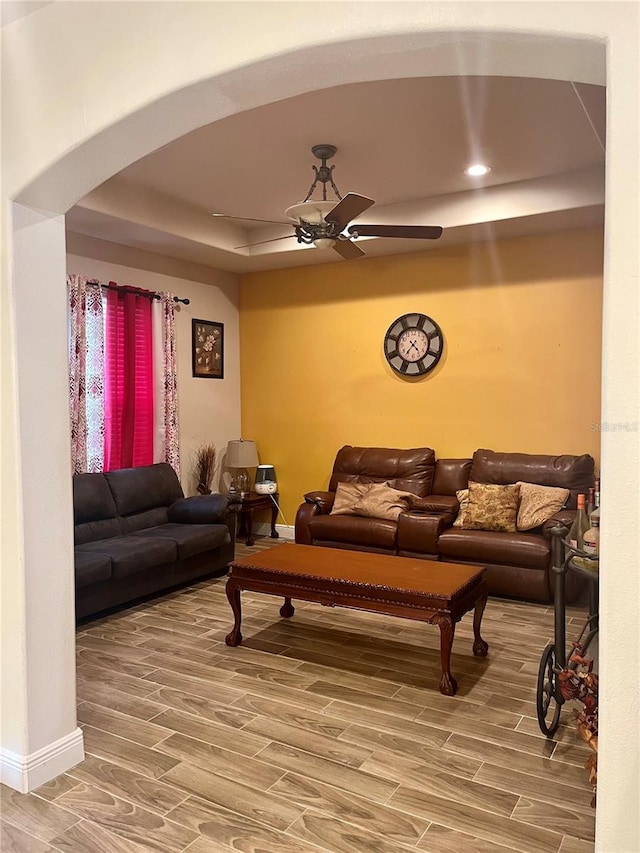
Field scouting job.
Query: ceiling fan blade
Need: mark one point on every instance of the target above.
(262, 242)
(248, 219)
(419, 232)
(348, 250)
(352, 205)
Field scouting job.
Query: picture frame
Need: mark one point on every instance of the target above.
(207, 349)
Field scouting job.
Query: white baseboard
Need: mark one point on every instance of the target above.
(24, 773)
(286, 531)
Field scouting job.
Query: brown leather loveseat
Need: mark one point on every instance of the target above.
(518, 563)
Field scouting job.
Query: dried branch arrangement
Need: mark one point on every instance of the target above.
(581, 683)
(205, 466)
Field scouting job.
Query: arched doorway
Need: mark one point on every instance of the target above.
(38, 610)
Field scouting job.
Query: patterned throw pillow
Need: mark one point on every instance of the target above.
(381, 501)
(463, 500)
(347, 496)
(492, 508)
(538, 504)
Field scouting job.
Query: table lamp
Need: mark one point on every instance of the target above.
(266, 480)
(241, 455)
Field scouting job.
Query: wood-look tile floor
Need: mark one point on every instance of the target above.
(324, 733)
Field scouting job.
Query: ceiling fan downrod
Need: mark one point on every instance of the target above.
(324, 173)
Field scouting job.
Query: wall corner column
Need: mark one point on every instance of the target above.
(40, 738)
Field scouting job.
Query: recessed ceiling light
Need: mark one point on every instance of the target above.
(477, 170)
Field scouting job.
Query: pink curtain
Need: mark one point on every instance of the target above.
(129, 379)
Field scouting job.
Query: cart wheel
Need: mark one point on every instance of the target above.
(548, 703)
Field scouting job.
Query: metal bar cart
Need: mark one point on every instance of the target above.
(555, 656)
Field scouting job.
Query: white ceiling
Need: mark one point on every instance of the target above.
(404, 143)
(13, 10)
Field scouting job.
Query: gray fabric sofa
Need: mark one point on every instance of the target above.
(136, 534)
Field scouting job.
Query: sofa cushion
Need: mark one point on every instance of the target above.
(190, 539)
(132, 554)
(529, 550)
(354, 530)
(203, 509)
(408, 470)
(91, 567)
(94, 510)
(492, 507)
(347, 496)
(569, 472)
(382, 501)
(538, 504)
(143, 488)
(138, 521)
(451, 475)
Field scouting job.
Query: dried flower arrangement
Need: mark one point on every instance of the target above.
(581, 683)
(205, 466)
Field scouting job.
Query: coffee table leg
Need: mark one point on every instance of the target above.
(480, 647)
(287, 608)
(234, 638)
(448, 684)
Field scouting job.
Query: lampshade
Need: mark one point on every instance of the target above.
(242, 454)
(324, 243)
(310, 211)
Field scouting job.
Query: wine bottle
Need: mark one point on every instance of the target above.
(591, 539)
(591, 502)
(579, 527)
(597, 492)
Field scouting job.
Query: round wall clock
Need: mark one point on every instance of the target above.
(413, 344)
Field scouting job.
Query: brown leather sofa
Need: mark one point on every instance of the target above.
(518, 564)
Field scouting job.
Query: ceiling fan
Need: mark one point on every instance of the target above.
(323, 223)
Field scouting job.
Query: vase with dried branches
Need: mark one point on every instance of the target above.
(205, 466)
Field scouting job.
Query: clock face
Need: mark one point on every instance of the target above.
(413, 344)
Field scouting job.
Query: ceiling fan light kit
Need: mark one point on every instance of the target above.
(322, 223)
(324, 243)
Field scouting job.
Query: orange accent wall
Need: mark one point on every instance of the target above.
(520, 371)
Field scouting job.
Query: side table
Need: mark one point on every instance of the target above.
(254, 502)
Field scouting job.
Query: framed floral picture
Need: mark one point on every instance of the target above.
(207, 349)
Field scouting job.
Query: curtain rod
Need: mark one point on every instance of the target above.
(149, 294)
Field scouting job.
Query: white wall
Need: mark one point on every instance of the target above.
(74, 117)
(209, 409)
(40, 737)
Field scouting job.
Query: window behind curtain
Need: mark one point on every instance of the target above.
(128, 380)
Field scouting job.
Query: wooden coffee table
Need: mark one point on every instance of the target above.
(425, 590)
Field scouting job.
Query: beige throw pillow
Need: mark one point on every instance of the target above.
(347, 496)
(538, 504)
(463, 500)
(492, 507)
(381, 501)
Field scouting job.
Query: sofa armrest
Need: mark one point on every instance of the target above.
(306, 512)
(419, 531)
(564, 517)
(203, 509)
(322, 500)
(436, 503)
(315, 503)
